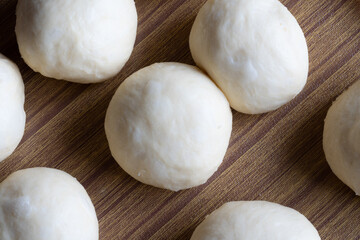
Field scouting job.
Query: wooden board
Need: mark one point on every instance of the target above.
(276, 156)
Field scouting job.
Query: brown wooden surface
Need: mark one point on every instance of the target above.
(276, 156)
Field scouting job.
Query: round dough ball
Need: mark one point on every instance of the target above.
(342, 137)
(254, 50)
(255, 220)
(169, 126)
(45, 204)
(12, 114)
(84, 41)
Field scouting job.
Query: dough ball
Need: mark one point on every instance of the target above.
(256, 220)
(45, 204)
(169, 126)
(254, 50)
(84, 41)
(342, 137)
(12, 114)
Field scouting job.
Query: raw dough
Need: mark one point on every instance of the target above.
(342, 137)
(254, 50)
(84, 41)
(256, 220)
(45, 204)
(169, 126)
(12, 114)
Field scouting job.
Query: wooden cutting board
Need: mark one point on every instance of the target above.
(276, 156)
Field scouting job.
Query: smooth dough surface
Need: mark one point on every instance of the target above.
(169, 126)
(255, 220)
(84, 41)
(342, 137)
(254, 50)
(45, 204)
(12, 114)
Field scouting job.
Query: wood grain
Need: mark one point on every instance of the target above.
(276, 156)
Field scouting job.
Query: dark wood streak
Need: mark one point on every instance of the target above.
(290, 4)
(326, 17)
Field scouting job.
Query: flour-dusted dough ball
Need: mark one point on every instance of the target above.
(84, 41)
(342, 137)
(12, 114)
(45, 204)
(256, 220)
(169, 126)
(254, 50)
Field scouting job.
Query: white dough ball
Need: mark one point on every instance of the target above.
(45, 204)
(12, 114)
(342, 137)
(84, 41)
(254, 50)
(169, 126)
(255, 220)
